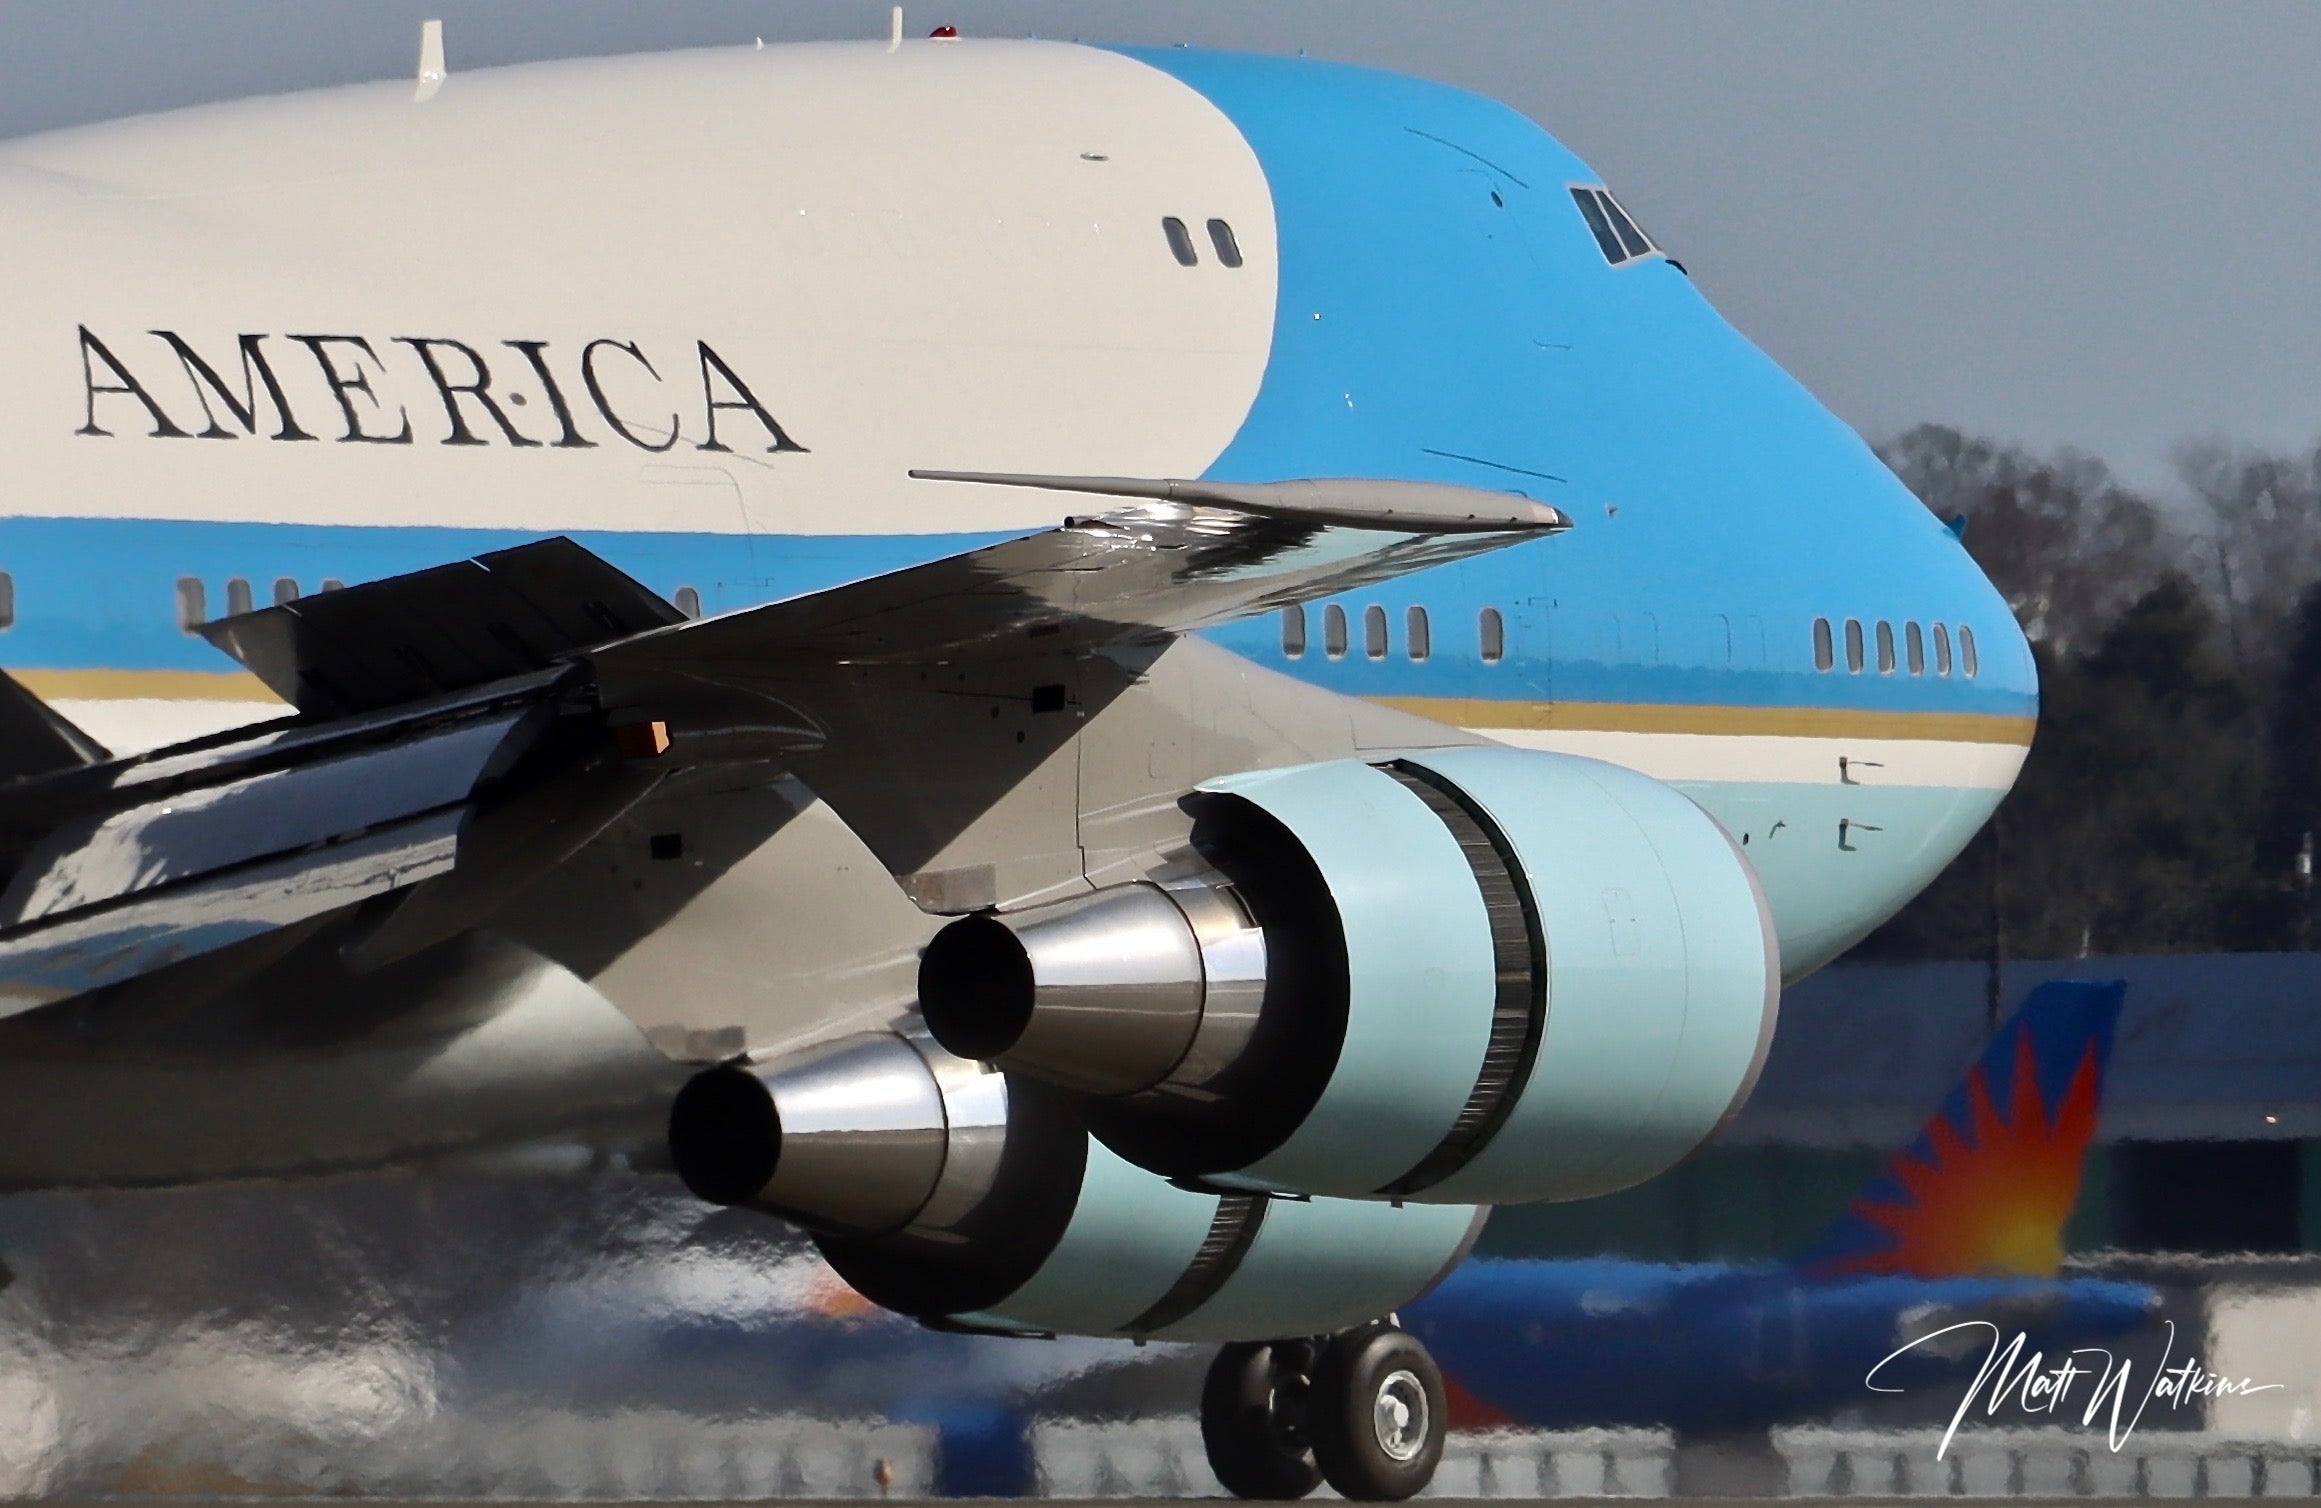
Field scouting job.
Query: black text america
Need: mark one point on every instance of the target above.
(602, 391)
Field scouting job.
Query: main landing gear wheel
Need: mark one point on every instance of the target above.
(1376, 1417)
(1253, 1410)
(1363, 1409)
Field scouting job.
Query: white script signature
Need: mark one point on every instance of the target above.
(2042, 1389)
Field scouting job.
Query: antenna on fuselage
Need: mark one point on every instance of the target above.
(895, 38)
(431, 70)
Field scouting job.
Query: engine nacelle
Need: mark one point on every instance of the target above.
(1474, 974)
(944, 1190)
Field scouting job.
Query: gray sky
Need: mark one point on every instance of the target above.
(2083, 222)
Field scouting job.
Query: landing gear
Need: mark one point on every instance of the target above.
(1377, 1416)
(1253, 1410)
(1363, 1409)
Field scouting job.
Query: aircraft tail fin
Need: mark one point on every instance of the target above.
(36, 739)
(1988, 1183)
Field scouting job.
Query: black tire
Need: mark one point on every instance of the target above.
(1252, 1409)
(1377, 1417)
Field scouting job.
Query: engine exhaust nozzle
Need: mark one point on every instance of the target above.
(849, 1136)
(1109, 993)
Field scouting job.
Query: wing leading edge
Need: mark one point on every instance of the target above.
(1184, 556)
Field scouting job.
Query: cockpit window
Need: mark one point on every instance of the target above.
(1614, 229)
(1593, 213)
(1630, 236)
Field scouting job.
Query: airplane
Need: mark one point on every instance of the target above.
(1131, 683)
(1963, 1227)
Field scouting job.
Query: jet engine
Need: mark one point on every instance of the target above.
(1464, 975)
(942, 1189)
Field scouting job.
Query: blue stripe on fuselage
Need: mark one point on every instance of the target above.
(101, 593)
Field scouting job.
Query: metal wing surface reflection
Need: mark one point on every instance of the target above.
(1156, 567)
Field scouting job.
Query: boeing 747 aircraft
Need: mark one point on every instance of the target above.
(1131, 683)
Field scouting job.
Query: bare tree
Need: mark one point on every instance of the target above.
(2258, 541)
(2067, 544)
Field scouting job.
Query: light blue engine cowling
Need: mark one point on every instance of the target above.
(1472, 975)
(941, 1189)
(1141, 1256)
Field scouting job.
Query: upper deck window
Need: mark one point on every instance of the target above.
(1491, 630)
(1854, 646)
(1885, 647)
(1824, 653)
(1334, 631)
(1968, 660)
(1221, 237)
(1180, 241)
(1941, 650)
(1614, 229)
(1417, 636)
(1293, 632)
(1374, 631)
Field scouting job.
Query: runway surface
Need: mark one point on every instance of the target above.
(345, 1502)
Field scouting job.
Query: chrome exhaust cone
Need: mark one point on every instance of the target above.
(849, 1136)
(1104, 993)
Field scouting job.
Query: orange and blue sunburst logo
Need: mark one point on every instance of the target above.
(1986, 1187)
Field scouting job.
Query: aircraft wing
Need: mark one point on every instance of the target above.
(1182, 556)
(451, 743)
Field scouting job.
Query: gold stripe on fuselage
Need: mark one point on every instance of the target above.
(1459, 712)
(1761, 722)
(145, 685)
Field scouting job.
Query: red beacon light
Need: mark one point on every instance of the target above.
(944, 34)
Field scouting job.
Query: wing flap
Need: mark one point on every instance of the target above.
(499, 615)
(87, 950)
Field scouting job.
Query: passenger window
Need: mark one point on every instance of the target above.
(1493, 631)
(285, 590)
(1221, 237)
(1293, 632)
(1885, 647)
(192, 605)
(1967, 660)
(1914, 646)
(1941, 650)
(1854, 645)
(238, 598)
(1180, 241)
(1334, 631)
(7, 600)
(1418, 638)
(1606, 240)
(688, 601)
(1824, 651)
(1374, 631)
